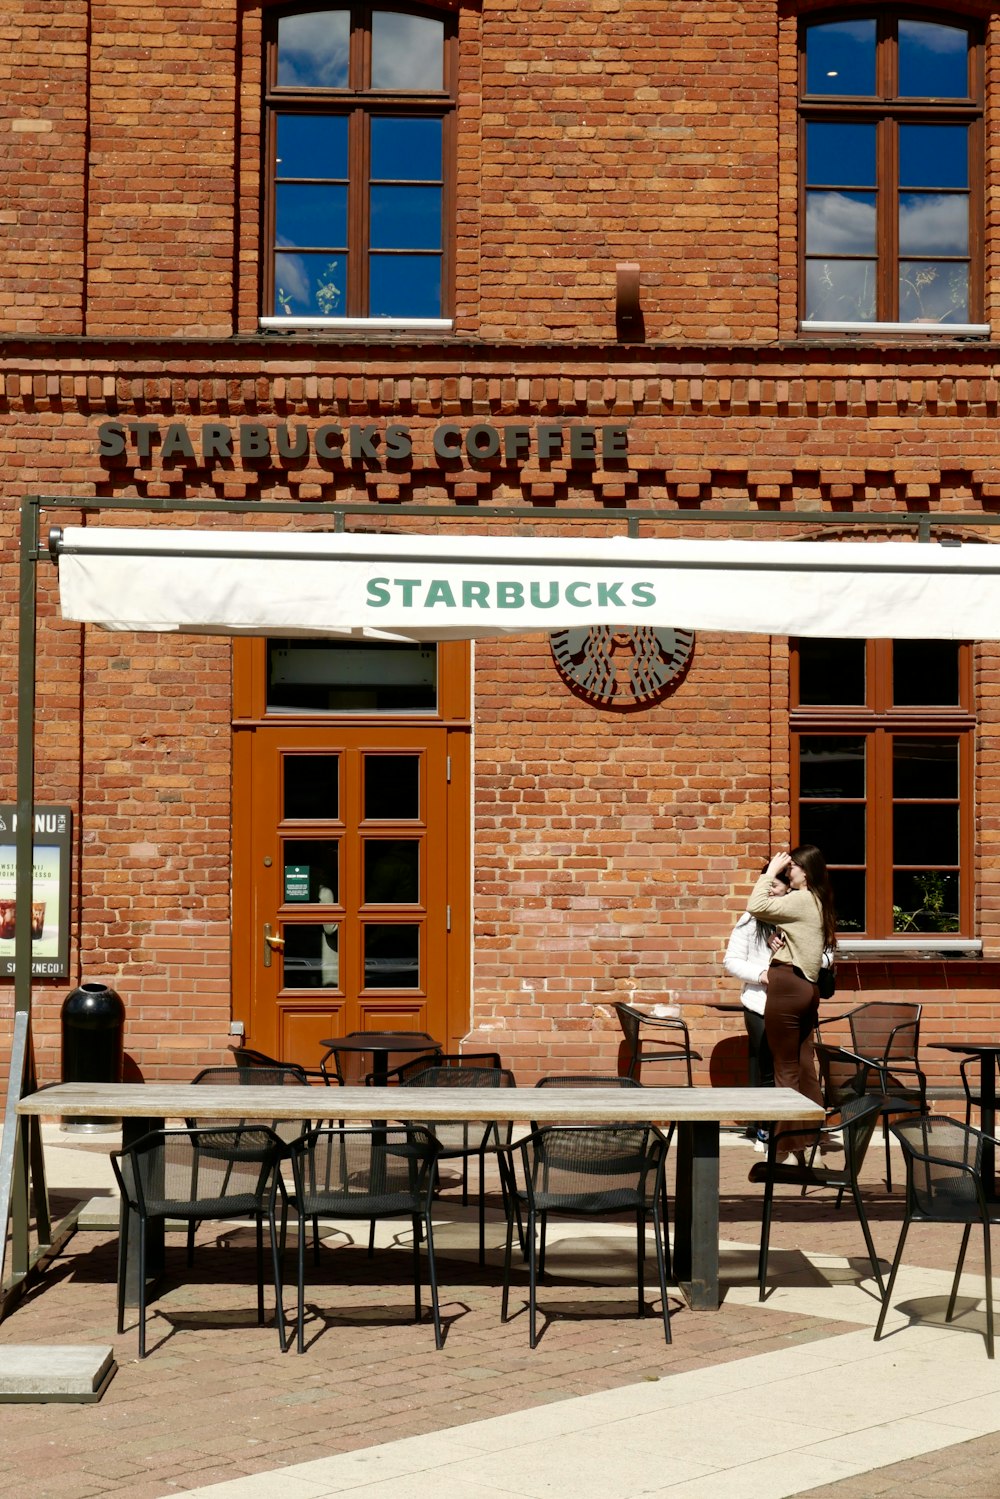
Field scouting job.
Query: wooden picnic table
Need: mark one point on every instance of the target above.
(697, 1113)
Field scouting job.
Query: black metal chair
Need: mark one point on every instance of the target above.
(277, 1075)
(464, 1138)
(593, 1080)
(465, 1060)
(347, 1067)
(372, 1172)
(246, 1057)
(601, 1170)
(972, 1087)
(587, 1080)
(842, 1076)
(668, 1042)
(854, 1128)
(886, 1036)
(197, 1174)
(280, 1075)
(944, 1184)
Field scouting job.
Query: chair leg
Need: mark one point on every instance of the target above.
(300, 1259)
(432, 1277)
(887, 1298)
(260, 1270)
(958, 1272)
(518, 1220)
(988, 1267)
(279, 1299)
(315, 1224)
(863, 1220)
(765, 1234)
(417, 1309)
(123, 1233)
(371, 1239)
(662, 1249)
(543, 1234)
(640, 1257)
(533, 1275)
(142, 1285)
(482, 1207)
(508, 1247)
(510, 1172)
(190, 1242)
(664, 1219)
(508, 1195)
(888, 1162)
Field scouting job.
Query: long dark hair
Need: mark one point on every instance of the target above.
(809, 859)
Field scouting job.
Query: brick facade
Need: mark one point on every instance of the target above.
(611, 852)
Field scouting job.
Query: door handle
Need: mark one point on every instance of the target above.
(271, 944)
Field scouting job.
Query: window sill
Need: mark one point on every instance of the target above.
(356, 324)
(919, 330)
(925, 946)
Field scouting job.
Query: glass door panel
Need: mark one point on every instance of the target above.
(311, 787)
(311, 870)
(392, 788)
(391, 872)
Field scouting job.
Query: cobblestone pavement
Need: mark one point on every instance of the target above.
(971, 1470)
(215, 1399)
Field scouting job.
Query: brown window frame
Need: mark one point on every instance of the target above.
(879, 721)
(359, 102)
(888, 110)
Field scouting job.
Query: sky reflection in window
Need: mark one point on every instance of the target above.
(314, 49)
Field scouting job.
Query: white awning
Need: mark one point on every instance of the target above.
(449, 587)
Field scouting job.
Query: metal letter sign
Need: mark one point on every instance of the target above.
(620, 668)
(49, 893)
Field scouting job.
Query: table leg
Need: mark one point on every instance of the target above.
(696, 1214)
(133, 1130)
(380, 1079)
(987, 1120)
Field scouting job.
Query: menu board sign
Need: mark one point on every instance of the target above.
(49, 891)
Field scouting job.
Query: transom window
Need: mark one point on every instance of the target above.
(882, 740)
(891, 110)
(359, 107)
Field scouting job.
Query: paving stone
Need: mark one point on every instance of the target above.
(59, 1372)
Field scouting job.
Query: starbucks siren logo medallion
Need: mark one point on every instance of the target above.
(622, 669)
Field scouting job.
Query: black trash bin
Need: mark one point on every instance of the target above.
(93, 1040)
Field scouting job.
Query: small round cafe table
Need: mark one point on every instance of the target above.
(382, 1045)
(987, 1052)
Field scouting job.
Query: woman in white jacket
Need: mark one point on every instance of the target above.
(748, 957)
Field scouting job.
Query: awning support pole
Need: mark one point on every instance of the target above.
(22, 1172)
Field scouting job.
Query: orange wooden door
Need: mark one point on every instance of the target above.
(350, 882)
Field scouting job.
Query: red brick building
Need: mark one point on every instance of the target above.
(329, 256)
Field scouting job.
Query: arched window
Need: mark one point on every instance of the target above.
(359, 107)
(891, 169)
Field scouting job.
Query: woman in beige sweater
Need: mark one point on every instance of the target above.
(805, 917)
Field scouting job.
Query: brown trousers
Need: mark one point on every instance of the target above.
(790, 1017)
